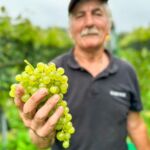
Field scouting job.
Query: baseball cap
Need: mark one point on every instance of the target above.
(73, 3)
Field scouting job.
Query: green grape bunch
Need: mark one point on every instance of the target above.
(56, 82)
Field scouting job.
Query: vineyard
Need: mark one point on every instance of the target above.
(20, 39)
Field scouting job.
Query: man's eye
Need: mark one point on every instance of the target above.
(98, 14)
(79, 15)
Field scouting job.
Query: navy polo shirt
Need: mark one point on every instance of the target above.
(100, 105)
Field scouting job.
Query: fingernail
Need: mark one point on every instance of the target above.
(61, 108)
(43, 91)
(56, 96)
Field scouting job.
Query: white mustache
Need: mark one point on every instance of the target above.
(89, 31)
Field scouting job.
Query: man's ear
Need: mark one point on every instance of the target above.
(70, 34)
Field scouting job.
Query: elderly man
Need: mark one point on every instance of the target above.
(103, 94)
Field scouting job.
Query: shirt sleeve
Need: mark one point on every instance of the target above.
(135, 101)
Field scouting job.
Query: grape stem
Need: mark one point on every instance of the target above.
(28, 64)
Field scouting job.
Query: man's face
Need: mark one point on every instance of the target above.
(89, 24)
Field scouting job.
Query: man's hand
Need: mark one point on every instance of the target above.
(41, 125)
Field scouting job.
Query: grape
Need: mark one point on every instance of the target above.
(56, 82)
(46, 80)
(60, 136)
(28, 69)
(71, 130)
(18, 77)
(67, 136)
(60, 71)
(54, 89)
(68, 116)
(25, 97)
(66, 110)
(66, 144)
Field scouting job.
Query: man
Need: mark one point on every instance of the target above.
(103, 94)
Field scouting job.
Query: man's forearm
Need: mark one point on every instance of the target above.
(40, 142)
(140, 137)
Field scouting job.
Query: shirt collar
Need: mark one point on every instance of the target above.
(111, 69)
(72, 62)
(113, 66)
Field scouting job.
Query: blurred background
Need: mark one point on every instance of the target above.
(37, 31)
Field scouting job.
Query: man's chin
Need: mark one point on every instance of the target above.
(91, 47)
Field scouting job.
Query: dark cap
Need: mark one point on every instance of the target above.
(73, 3)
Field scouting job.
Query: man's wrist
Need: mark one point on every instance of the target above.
(41, 142)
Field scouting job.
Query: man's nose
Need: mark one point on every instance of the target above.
(89, 20)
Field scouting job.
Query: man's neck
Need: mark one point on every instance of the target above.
(91, 56)
(94, 61)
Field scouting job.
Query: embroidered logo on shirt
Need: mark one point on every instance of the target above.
(118, 94)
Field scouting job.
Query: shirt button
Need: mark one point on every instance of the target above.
(94, 91)
(82, 69)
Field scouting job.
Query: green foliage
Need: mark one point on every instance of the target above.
(20, 40)
(19, 140)
(137, 39)
(135, 48)
(141, 62)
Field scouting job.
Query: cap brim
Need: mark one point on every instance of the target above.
(73, 3)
